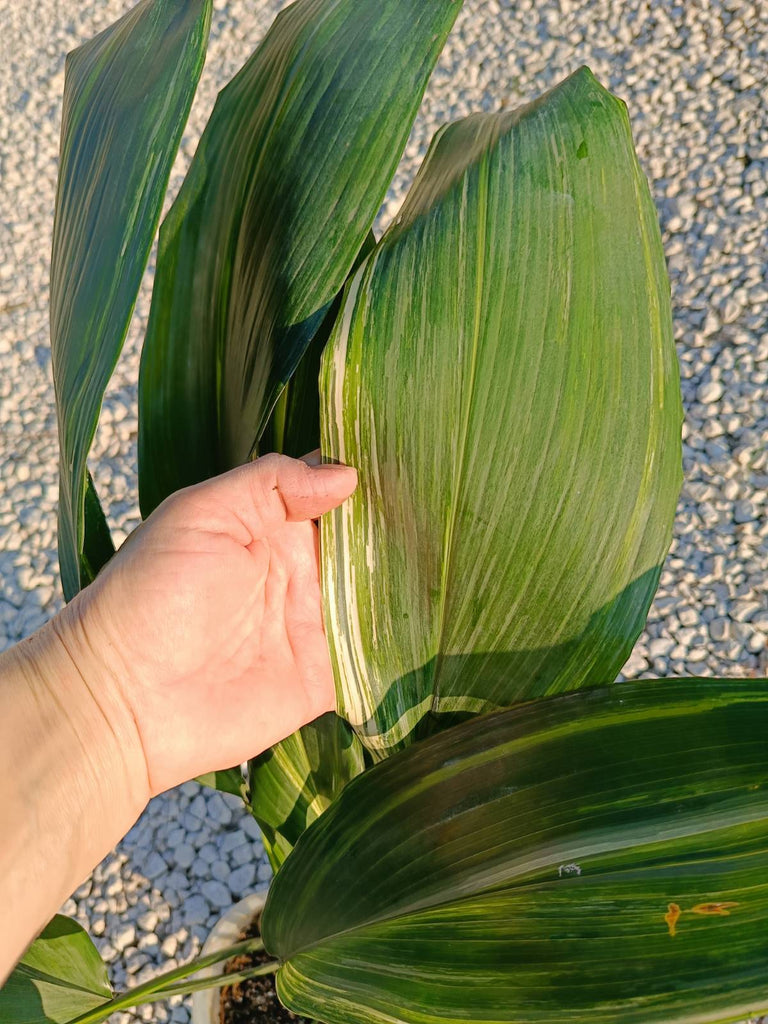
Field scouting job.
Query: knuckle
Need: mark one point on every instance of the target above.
(272, 460)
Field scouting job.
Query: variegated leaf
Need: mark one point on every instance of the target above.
(503, 376)
(593, 858)
(295, 781)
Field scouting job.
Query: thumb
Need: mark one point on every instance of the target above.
(276, 489)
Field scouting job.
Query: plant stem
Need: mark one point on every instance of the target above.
(162, 987)
(220, 980)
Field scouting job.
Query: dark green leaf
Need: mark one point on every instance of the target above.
(98, 546)
(590, 858)
(285, 184)
(127, 94)
(294, 424)
(60, 977)
(503, 376)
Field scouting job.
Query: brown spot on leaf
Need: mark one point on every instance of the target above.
(671, 917)
(716, 909)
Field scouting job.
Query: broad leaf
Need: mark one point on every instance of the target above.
(595, 857)
(503, 376)
(288, 177)
(127, 94)
(297, 780)
(60, 977)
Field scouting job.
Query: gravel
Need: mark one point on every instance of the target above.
(692, 76)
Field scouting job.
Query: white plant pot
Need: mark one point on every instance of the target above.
(205, 1004)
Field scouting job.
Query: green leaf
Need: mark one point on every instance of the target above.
(59, 977)
(127, 94)
(295, 781)
(595, 857)
(294, 424)
(285, 184)
(230, 780)
(503, 376)
(98, 546)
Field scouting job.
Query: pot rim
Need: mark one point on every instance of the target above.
(205, 1003)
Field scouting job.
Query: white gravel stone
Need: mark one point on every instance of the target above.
(217, 894)
(636, 664)
(218, 810)
(242, 855)
(196, 910)
(199, 807)
(124, 937)
(231, 840)
(719, 629)
(660, 647)
(744, 611)
(183, 855)
(710, 392)
(154, 866)
(744, 512)
(688, 616)
(242, 879)
(148, 922)
(220, 870)
(250, 827)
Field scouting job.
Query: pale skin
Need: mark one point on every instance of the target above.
(200, 645)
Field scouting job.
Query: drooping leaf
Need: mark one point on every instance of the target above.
(295, 781)
(594, 857)
(60, 977)
(98, 546)
(285, 184)
(127, 94)
(503, 376)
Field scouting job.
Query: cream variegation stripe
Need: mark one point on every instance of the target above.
(504, 378)
(342, 620)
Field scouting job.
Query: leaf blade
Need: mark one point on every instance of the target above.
(505, 352)
(269, 222)
(522, 867)
(127, 94)
(295, 781)
(59, 977)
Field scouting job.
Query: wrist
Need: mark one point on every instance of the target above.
(83, 725)
(76, 669)
(72, 776)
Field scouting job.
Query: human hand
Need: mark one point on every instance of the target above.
(207, 627)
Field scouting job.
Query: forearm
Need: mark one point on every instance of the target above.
(72, 778)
